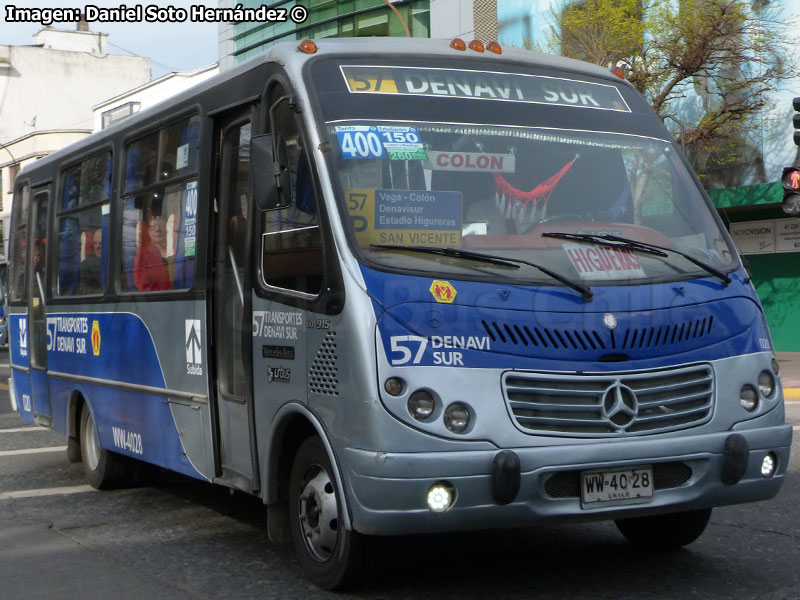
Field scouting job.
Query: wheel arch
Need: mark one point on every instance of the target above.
(292, 424)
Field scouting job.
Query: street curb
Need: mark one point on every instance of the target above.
(791, 393)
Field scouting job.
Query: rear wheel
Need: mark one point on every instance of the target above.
(103, 469)
(329, 554)
(665, 532)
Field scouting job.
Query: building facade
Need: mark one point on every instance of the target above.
(47, 91)
(122, 106)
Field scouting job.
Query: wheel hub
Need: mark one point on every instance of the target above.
(318, 514)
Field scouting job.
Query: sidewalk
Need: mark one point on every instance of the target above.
(790, 374)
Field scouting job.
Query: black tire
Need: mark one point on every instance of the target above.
(665, 532)
(331, 556)
(104, 470)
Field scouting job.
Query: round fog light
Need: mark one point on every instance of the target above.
(421, 405)
(456, 417)
(394, 386)
(440, 496)
(766, 383)
(768, 465)
(748, 398)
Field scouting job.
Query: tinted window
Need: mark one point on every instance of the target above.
(83, 227)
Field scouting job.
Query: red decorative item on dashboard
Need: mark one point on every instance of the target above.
(526, 208)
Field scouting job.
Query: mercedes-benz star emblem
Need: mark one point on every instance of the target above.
(620, 406)
(609, 321)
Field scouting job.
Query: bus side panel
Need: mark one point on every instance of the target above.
(22, 392)
(19, 357)
(122, 348)
(18, 346)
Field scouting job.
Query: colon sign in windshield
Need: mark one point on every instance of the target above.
(498, 189)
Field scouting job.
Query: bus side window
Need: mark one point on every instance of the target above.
(83, 225)
(292, 241)
(20, 232)
(159, 209)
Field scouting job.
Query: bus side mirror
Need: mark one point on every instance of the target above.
(269, 172)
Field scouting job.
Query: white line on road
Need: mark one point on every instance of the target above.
(18, 429)
(32, 451)
(59, 491)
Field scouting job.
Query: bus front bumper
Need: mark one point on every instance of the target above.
(387, 492)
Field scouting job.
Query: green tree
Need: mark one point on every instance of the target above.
(709, 63)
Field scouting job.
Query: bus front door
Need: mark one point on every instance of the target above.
(235, 451)
(37, 276)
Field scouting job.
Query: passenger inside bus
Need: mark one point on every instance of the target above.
(89, 278)
(150, 263)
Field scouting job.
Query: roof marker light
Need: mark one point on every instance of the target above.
(618, 71)
(307, 47)
(476, 45)
(494, 47)
(458, 44)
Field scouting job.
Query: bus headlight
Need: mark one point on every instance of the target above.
(748, 398)
(768, 465)
(394, 386)
(440, 496)
(766, 383)
(456, 417)
(421, 405)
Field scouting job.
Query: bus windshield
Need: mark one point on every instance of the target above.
(491, 179)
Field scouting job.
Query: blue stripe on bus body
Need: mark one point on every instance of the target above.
(496, 315)
(126, 353)
(145, 428)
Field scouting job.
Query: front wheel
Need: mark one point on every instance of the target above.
(665, 532)
(103, 469)
(329, 554)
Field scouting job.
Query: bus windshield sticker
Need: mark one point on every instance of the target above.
(368, 141)
(182, 156)
(602, 263)
(190, 220)
(405, 217)
(483, 85)
(359, 141)
(402, 143)
(470, 161)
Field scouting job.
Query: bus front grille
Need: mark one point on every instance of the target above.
(610, 405)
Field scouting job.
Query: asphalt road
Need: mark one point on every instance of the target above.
(186, 539)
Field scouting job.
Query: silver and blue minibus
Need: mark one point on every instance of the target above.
(391, 287)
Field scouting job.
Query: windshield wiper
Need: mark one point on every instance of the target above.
(644, 247)
(503, 261)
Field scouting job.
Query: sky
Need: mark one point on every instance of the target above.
(171, 46)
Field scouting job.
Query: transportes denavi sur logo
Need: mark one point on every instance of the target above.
(96, 338)
(443, 291)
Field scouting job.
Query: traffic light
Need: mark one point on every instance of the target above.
(791, 190)
(796, 120)
(791, 175)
